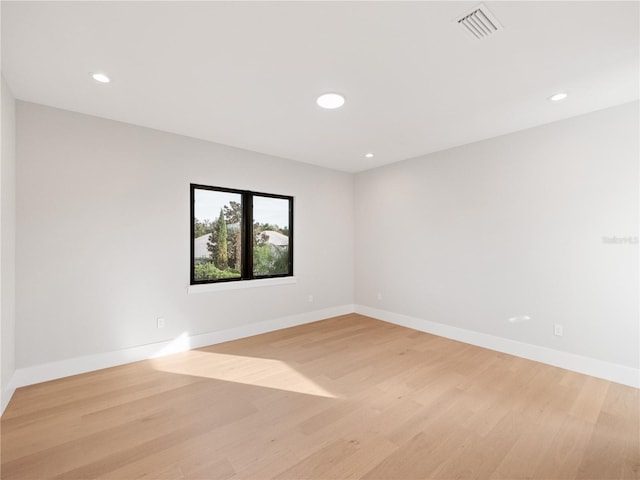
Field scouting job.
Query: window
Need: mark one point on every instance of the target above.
(239, 235)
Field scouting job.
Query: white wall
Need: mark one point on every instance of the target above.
(103, 236)
(7, 246)
(462, 239)
(472, 236)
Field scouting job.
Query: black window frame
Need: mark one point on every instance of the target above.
(246, 229)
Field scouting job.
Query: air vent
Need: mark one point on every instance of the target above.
(480, 22)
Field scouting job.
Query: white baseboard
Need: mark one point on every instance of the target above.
(74, 366)
(569, 361)
(7, 393)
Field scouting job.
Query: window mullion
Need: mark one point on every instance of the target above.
(247, 236)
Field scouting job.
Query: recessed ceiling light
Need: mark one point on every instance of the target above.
(558, 96)
(101, 77)
(330, 100)
(369, 155)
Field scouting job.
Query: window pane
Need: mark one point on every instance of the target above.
(270, 236)
(217, 235)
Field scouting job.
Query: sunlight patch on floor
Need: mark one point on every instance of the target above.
(259, 372)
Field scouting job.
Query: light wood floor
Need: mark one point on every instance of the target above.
(348, 397)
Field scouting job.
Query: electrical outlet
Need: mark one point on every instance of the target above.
(558, 331)
(160, 323)
(310, 298)
(379, 296)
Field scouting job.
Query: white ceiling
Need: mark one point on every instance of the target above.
(247, 73)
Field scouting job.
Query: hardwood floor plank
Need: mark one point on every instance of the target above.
(566, 450)
(589, 403)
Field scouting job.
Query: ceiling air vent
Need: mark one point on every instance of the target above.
(480, 22)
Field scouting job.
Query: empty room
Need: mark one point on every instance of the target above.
(320, 240)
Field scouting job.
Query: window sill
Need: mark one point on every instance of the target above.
(218, 287)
